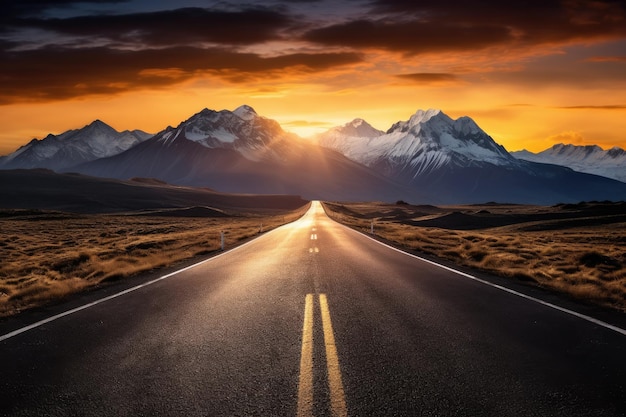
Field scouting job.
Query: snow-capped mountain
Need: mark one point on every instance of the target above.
(358, 128)
(58, 152)
(240, 151)
(454, 161)
(354, 139)
(241, 130)
(590, 159)
(428, 141)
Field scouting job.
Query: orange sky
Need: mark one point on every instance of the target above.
(529, 76)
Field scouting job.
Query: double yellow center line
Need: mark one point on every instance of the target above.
(305, 385)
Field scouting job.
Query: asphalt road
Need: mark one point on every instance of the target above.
(312, 319)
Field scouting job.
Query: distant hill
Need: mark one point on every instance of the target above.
(46, 190)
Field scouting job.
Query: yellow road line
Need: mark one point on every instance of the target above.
(305, 385)
(335, 386)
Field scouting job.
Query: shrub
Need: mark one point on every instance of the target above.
(595, 259)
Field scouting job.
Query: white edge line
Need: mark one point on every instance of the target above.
(119, 294)
(500, 287)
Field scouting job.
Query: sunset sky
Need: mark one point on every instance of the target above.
(530, 73)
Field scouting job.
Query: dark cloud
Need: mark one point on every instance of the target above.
(54, 73)
(607, 59)
(520, 14)
(161, 48)
(29, 8)
(409, 36)
(151, 49)
(460, 10)
(449, 25)
(172, 27)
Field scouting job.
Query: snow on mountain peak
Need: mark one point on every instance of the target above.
(358, 128)
(245, 112)
(429, 140)
(241, 130)
(423, 116)
(561, 147)
(435, 118)
(357, 122)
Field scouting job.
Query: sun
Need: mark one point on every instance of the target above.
(305, 128)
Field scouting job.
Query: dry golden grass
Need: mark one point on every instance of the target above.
(585, 261)
(46, 256)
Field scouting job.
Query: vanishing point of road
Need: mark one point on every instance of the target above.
(312, 319)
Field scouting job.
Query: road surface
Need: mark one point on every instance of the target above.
(312, 319)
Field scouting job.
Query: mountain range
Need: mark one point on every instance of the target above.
(430, 158)
(451, 161)
(242, 152)
(591, 159)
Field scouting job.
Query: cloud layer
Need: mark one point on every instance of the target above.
(55, 50)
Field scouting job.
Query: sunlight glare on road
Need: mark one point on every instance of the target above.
(308, 220)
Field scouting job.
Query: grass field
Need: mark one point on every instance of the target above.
(48, 255)
(577, 249)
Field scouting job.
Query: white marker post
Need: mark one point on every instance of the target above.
(372, 227)
(222, 240)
